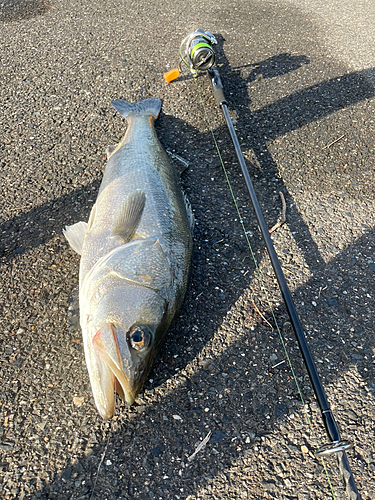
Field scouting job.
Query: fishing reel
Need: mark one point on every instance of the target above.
(196, 53)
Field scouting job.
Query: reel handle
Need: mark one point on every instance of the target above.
(172, 75)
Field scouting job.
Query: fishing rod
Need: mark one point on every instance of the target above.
(197, 53)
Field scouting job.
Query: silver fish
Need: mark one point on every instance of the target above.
(135, 259)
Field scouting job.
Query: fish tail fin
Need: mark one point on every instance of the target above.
(147, 107)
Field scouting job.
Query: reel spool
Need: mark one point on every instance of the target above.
(198, 54)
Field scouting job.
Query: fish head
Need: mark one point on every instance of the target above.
(126, 306)
(122, 348)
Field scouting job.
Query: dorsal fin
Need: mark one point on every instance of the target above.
(129, 216)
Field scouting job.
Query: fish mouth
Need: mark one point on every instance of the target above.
(113, 376)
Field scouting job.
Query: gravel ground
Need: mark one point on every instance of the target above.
(304, 112)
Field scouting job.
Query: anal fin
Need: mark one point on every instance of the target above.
(189, 212)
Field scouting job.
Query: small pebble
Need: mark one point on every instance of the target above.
(78, 401)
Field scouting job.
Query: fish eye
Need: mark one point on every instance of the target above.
(139, 338)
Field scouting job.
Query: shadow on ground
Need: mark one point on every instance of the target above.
(239, 388)
(205, 379)
(16, 10)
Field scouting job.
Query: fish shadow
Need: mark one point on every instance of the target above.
(36, 227)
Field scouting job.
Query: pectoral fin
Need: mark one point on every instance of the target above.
(129, 216)
(75, 235)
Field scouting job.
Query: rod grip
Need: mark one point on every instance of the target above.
(330, 425)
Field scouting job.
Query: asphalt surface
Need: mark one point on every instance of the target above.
(299, 78)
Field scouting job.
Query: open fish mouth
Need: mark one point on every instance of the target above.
(112, 374)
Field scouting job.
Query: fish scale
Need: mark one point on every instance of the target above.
(135, 259)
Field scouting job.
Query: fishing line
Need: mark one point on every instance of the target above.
(264, 288)
(102, 458)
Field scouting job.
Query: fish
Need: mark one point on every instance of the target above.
(136, 251)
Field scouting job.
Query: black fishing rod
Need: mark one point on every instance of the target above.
(200, 56)
(337, 445)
